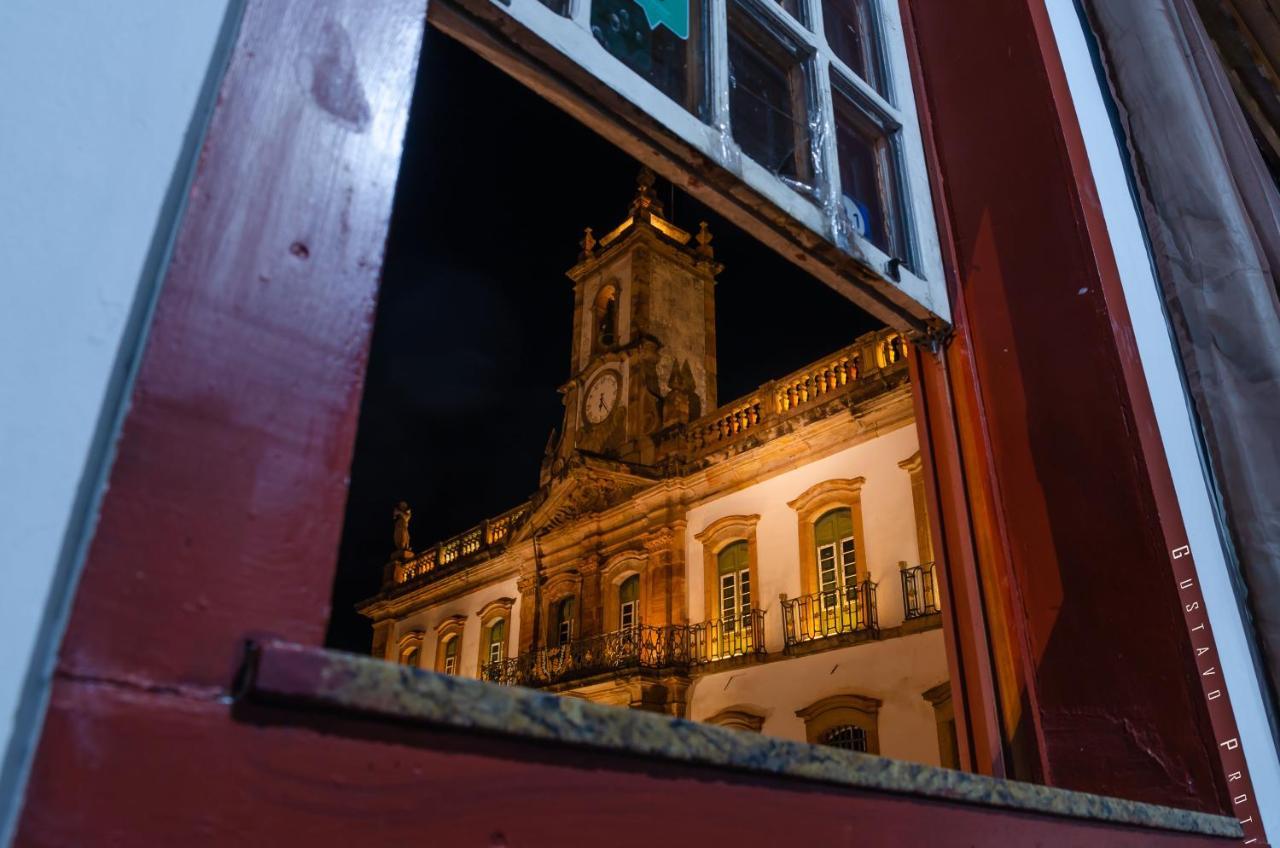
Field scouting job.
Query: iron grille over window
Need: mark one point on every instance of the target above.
(846, 736)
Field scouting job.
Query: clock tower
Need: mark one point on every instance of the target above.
(644, 355)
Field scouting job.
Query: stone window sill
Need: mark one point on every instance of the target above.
(298, 677)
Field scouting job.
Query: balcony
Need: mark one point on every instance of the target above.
(740, 638)
(843, 616)
(632, 649)
(919, 591)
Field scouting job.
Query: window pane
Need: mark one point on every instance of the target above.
(794, 8)
(849, 562)
(768, 109)
(827, 567)
(868, 178)
(560, 7)
(656, 39)
(851, 33)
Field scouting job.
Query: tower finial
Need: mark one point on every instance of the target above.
(705, 249)
(588, 244)
(646, 198)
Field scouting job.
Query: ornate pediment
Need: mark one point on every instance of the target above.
(587, 486)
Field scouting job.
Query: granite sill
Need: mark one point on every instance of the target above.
(294, 675)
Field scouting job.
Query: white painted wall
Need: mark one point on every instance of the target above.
(96, 106)
(888, 517)
(1172, 407)
(898, 671)
(468, 605)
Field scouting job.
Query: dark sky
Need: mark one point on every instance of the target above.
(472, 333)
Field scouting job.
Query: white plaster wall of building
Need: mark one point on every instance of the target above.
(468, 606)
(897, 671)
(888, 517)
(102, 114)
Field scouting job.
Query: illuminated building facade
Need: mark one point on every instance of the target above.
(764, 563)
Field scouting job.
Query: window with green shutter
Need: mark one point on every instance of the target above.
(734, 570)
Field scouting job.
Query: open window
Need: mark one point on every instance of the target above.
(681, 381)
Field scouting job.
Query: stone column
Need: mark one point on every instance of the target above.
(529, 618)
(383, 645)
(593, 597)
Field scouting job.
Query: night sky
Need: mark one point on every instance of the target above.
(472, 333)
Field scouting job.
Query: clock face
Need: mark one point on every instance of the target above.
(602, 395)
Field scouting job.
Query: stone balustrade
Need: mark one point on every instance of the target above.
(495, 531)
(870, 355)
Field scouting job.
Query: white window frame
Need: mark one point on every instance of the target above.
(496, 652)
(923, 282)
(451, 659)
(735, 598)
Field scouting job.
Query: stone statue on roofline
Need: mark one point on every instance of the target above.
(400, 531)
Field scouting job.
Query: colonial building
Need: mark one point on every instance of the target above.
(763, 564)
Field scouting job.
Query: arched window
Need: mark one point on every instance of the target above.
(606, 314)
(846, 736)
(733, 568)
(450, 662)
(411, 656)
(496, 646)
(836, 557)
(562, 621)
(851, 722)
(629, 602)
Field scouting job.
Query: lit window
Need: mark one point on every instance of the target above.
(450, 665)
(497, 641)
(411, 656)
(628, 602)
(837, 559)
(850, 28)
(562, 621)
(769, 99)
(733, 565)
(845, 736)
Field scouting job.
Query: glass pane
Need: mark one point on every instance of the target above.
(657, 39)
(794, 8)
(767, 102)
(851, 33)
(848, 562)
(560, 7)
(868, 178)
(827, 567)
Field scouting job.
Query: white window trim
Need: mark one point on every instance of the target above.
(924, 284)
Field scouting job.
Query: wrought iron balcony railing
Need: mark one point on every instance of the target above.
(632, 648)
(835, 612)
(919, 591)
(726, 638)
